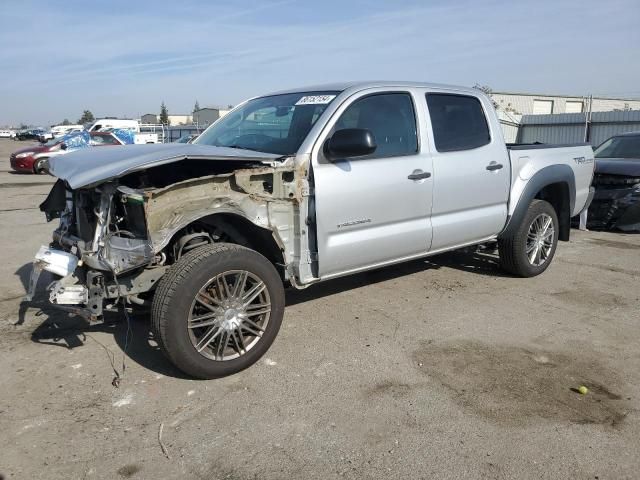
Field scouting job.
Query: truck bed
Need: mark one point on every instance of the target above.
(528, 160)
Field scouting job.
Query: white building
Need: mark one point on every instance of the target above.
(531, 103)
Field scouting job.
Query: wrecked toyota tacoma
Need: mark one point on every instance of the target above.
(616, 202)
(291, 189)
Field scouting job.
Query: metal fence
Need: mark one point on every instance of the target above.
(576, 127)
(175, 132)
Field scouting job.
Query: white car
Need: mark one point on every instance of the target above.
(60, 130)
(104, 124)
(7, 133)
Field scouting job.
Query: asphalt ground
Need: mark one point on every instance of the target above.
(439, 368)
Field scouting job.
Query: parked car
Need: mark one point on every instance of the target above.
(33, 134)
(59, 131)
(107, 123)
(35, 159)
(106, 138)
(24, 160)
(296, 188)
(7, 134)
(616, 202)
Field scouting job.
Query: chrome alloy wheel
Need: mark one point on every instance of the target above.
(229, 315)
(540, 239)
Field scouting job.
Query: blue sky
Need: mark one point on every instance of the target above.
(124, 57)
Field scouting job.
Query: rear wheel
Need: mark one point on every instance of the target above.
(530, 249)
(218, 310)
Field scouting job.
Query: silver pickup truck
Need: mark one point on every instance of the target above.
(294, 188)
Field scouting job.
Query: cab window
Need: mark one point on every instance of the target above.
(458, 122)
(390, 117)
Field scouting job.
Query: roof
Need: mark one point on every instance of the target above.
(362, 85)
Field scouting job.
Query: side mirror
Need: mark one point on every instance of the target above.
(350, 142)
(63, 146)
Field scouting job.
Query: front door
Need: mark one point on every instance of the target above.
(375, 209)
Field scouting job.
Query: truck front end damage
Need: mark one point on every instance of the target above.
(117, 238)
(102, 235)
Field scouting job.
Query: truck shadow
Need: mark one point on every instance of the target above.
(132, 336)
(135, 339)
(467, 260)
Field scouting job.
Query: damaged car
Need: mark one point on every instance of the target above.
(616, 202)
(291, 189)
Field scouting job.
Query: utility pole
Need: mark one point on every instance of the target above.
(587, 120)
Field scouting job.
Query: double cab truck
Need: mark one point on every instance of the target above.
(292, 189)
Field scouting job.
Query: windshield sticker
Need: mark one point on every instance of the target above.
(315, 100)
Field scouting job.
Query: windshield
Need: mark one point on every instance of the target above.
(620, 147)
(275, 124)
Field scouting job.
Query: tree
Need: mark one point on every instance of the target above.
(488, 92)
(196, 107)
(164, 114)
(66, 122)
(87, 117)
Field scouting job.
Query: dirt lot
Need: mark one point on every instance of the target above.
(434, 369)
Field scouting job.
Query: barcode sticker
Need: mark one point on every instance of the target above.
(315, 100)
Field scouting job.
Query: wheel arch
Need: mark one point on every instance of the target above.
(554, 184)
(241, 231)
(557, 194)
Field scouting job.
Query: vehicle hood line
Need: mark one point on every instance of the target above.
(86, 168)
(618, 166)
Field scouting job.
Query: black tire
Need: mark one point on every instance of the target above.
(174, 298)
(513, 249)
(40, 166)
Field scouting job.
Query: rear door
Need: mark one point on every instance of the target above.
(374, 209)
(471, 170)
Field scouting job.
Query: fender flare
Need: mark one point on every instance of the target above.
(542, 178)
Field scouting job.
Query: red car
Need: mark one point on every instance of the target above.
(34, 159)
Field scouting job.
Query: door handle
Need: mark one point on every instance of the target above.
(418, 175)
(494, 166)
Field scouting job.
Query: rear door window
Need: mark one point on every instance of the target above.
(458, 122)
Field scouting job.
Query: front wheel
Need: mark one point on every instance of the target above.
(41, 166)
(529, 250)
(218, 310)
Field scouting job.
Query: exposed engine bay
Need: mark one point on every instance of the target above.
(116, 239)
